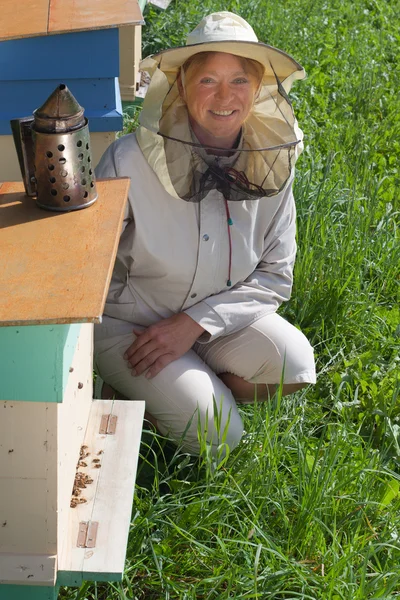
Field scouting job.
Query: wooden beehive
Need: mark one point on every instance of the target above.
(53, 285)
(82, 45)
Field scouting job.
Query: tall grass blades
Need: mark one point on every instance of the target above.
(307, 507)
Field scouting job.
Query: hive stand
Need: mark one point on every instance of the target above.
(47, 42)
(130, 55)
(54, 438)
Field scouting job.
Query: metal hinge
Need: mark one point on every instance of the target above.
(87, 534)
(108, 424)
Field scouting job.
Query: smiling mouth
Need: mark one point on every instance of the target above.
(222, 113)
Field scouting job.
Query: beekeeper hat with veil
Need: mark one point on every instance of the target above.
(270, 142)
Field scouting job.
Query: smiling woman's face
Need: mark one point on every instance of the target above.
(219, 93)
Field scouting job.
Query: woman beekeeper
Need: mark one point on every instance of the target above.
(208, 246)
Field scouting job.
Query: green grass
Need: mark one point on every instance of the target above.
(308, 505)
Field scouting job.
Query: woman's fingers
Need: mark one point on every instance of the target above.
(161, 343)
(159, 365)
(148, 361)
(140, 341)
(157, 335)
(135, 356)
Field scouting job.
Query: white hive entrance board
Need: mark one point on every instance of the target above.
(108, 466)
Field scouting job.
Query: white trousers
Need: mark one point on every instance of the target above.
(180, 397)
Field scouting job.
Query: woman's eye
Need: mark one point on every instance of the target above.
(206, 80)
(240, 80)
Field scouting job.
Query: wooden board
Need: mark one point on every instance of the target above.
(39, 445)
(30, 19)
(108, 497)
(130, 55)
(32, 376)
(28, 524)
(87, 14)
(44, 17)
(28, 570)
(30, 54)
(72, 419)
(57, 266)
(19, 592)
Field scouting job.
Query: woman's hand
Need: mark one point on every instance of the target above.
(162, 343)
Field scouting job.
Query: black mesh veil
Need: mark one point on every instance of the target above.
(228, 175)
(259, 166)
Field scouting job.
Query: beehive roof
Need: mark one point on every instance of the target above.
(47, 17)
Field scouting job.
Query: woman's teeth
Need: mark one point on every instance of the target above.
(222, 113)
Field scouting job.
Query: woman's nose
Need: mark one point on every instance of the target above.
(223, 92)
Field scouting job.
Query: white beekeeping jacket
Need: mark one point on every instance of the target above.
(174, 255)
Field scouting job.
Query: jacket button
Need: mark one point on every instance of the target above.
(193, 295)
(206, 237)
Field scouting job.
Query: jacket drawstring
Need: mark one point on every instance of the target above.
(230, 223)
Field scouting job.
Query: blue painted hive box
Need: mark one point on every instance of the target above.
(80, 48)
(88, 62)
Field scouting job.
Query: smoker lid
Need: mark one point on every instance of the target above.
(61, 112)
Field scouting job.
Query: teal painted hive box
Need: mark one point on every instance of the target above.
(67, 462)
(45, 349)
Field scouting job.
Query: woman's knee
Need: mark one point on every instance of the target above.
(289, 355)
(261, 352)
(179, 398)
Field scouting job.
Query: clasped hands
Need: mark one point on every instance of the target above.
(158, 345)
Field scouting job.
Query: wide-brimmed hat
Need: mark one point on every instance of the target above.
(272, 140)
(227, 32)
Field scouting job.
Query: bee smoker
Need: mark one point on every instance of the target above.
(53, 148)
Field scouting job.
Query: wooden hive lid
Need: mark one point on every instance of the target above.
(46, 17)
(56, 267)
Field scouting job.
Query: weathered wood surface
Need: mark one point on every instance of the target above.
(39, 445)
(72, 418)
(20, 22)
(44, 17)
(130, 55)
(27, 438)
(108, 497)
(28, 569)
(56, 267)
